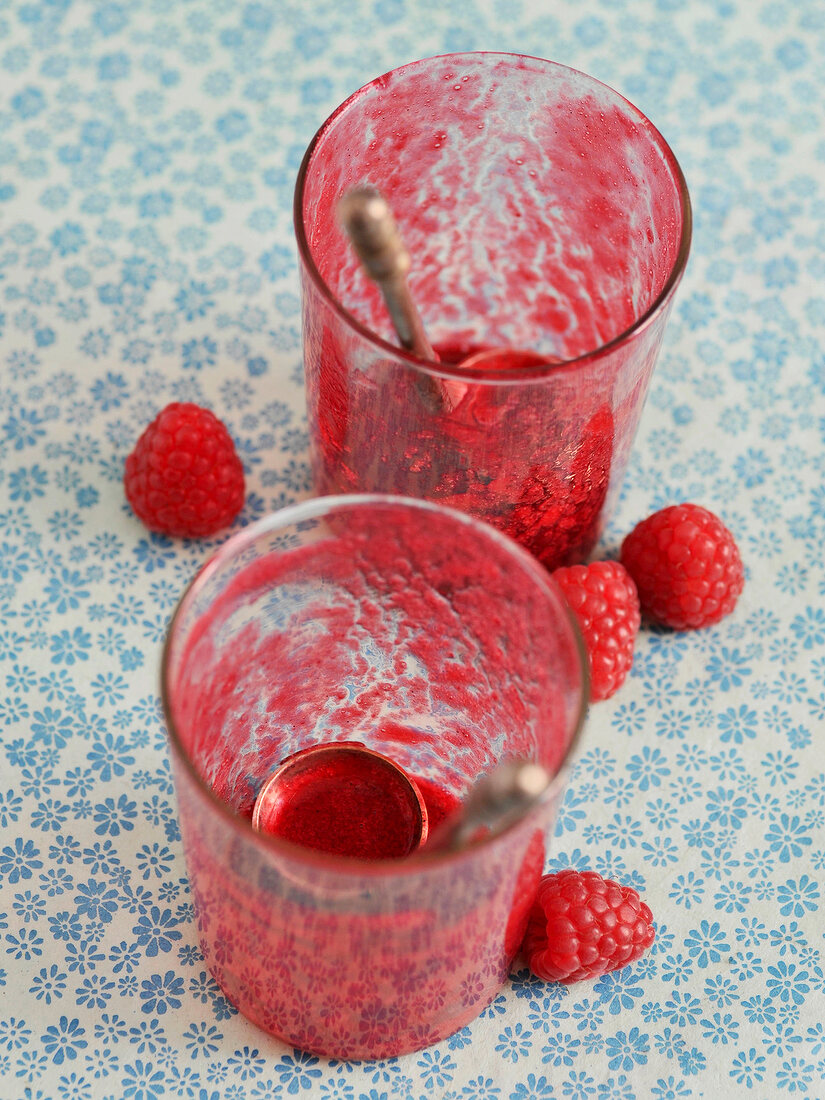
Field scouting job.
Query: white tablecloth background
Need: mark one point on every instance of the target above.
(147, 158)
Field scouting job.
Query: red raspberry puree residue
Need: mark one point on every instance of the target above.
(549, 497)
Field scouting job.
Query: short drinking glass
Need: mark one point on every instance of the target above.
(427, 637)
(549, 226)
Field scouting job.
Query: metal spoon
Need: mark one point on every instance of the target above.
(367, 218)
(313, 777)
(496, 801)
(365, 215)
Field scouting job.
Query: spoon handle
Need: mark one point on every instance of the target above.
(371, 227)
(497, 800)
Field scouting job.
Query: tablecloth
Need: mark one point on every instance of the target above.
(148, 152)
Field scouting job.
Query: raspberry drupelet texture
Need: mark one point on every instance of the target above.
(184, 476)
(582, 925)
(603, 598)
(686, 566)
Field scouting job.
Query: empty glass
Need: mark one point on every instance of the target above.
(428, 637)
(547, 220)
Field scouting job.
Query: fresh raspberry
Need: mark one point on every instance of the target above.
(582, 925)
(686, 566)
(603, 598)
(184, 476)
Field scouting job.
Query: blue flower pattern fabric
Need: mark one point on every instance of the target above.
(147, 157)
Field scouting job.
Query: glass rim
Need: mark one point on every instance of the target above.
(344, 865)
(522, 374)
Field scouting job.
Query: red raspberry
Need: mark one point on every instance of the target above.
(603, 598)
(686, 566)
(184, 476)
(582, 925)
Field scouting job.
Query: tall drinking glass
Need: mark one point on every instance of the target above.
(549, 222)
(427, 637)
